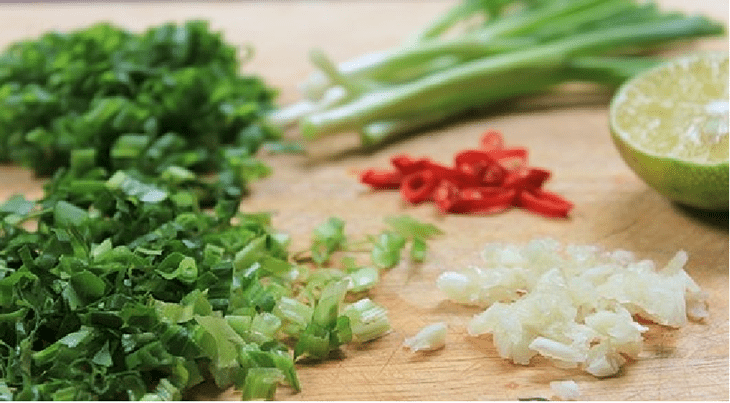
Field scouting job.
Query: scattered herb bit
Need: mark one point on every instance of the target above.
(488, 179)
(368, 320)
(480, 53)
(417, 232)
(328, 329)
(328, 237)
(385, 248)
(409, 227)
(363, 278)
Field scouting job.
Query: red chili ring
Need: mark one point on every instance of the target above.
(418, 186)
(493, 175)
(446, 196)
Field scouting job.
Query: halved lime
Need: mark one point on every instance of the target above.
(670, 125)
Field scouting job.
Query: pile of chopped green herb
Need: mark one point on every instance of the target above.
(135, 276)
(127, 289)
(172, 95)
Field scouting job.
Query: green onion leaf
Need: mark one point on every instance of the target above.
(387, 249)
(328, 237)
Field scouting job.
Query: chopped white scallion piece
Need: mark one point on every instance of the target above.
(431, 337)
(565, 390)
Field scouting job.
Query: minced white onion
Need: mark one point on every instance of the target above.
(574, 305)
(565, 390)
(431, 337)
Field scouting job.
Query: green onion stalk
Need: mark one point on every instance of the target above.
(521, 48)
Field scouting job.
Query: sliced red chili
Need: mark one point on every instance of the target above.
(494, 175)
(535, 178)
(446, 195)
(455, 175)
(485, 200)
(381, 179)
(526, 178)
(513, 179)
(545, 203)
(474, 157)
(419, 186)
(510, 158)
(473, 170)
(484, 180)
(486, 192)
(481, 165)
(489, 205)
(491, 140)
(407, 165)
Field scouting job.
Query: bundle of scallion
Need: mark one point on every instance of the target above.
(518, 47)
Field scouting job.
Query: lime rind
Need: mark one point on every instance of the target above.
(685, 183)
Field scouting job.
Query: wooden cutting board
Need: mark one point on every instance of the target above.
(566, 133)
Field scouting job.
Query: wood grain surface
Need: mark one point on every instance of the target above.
(567, 133)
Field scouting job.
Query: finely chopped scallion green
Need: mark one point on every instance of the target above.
(135, 292)
(172, 95)
(135, 276)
